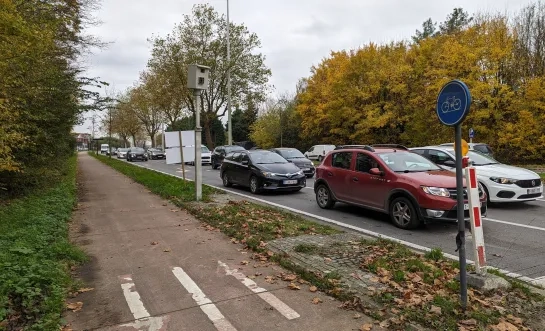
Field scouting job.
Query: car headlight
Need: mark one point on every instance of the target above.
(133, 154)
(438, 191)
(300, 172)
(268, 174)
(502, 180)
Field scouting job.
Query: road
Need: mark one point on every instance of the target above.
(513, 232)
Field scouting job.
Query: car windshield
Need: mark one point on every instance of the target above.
(122, 149)
(266, 158)
(407, 162)
(137, 149)
(204, 149)
(230, 149)
(478, 158)
(291, 153)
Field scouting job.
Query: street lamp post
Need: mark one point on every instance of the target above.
(229, 122)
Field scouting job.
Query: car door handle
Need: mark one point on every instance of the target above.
(330, 174)
(355, 179)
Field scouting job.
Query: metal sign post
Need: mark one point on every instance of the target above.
(198, 136)
(198, 80)
(181, 154)
(471, 135)
(452, 108)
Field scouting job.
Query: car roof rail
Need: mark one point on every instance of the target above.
(365, 147)
(391, 146)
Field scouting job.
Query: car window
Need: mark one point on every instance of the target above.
(407, 162)
(341, 160)
(234, 156)
(291, 153)
(266, 157)
(311, 149)
(438, 157)
(204, 149)
(419, 151)
(234, 149)
(245, 158)
(364, 163)
(483, 149)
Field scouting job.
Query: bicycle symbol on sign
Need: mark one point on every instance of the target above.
(451, 104)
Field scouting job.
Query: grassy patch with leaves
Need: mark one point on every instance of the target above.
(424, 289)
(36, 255)
(172, 188)
(254, 225)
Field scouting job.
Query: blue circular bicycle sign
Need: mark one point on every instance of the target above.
(453, 103)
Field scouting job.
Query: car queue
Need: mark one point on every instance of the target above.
(413, 186)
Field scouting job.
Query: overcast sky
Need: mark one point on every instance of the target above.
(295, 34)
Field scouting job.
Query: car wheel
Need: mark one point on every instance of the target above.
(254, 185)
(226, 181)
(403, 214)
(324, 197)
(320, 158)
(487, 194)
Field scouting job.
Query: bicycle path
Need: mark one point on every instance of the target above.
(155, 267)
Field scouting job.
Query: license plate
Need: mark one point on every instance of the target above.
(534, 190)
(289, 182)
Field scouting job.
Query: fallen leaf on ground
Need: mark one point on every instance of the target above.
(174, 210)
(366, 327)
(435, 310)
(374, 279)
(166, 250)
(470, 322)
(416, 279)
(316, 300)
(395, 311)
(244, 262)
(164, 204)
(154, 243)
(292, 286)
(504, 326)
(85, 289)
(302, 281)
(516, 320)
(270, 279)
(356, 316)
(186, 229)
(75, 306)
(289, 277)
(270, 253)
(384, 324)
(327, 259)
(313, 289)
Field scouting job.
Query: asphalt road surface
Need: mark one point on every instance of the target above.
(514, 233)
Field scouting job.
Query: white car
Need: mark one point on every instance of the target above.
(318, 152)
(206, 155)
(503, 183)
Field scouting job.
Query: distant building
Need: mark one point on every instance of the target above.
(83, 141)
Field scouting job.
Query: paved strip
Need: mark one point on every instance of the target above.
(143, 321)
(515, 224)
(268, 297)
(206, 305)
(352, 227)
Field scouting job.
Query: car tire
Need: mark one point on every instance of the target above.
(225, 180)
(324, 198)
(403, 214)
(254, 185)
(487, 194)
(320, 158)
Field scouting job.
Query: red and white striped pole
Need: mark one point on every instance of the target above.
(475, 217)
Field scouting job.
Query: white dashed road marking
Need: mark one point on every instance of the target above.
(143, 321)
(268, 297)
(206, 305)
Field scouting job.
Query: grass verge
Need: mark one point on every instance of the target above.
(36, 256)
(245, 222)
(168, 187)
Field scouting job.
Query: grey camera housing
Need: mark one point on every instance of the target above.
(197, 77)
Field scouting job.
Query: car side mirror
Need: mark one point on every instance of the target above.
(449, 163)
(245, 162)
(376, 172)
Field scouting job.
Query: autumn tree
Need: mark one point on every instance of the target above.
(201, 38)
(42, 92)
(429, 29)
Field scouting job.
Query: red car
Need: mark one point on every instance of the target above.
(406, 186)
